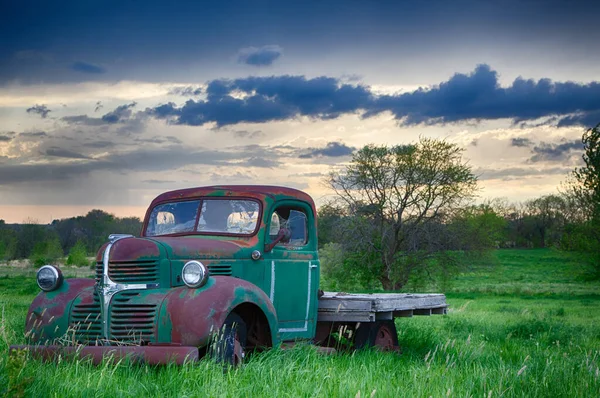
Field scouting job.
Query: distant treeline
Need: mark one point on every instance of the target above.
(46, 243)
(547, 221)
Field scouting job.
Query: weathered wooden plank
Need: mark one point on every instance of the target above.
(354, 316)
(345, 305)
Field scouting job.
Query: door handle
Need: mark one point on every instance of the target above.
(313, 266)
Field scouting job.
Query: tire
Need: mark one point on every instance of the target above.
(379, 334)
(229, 345)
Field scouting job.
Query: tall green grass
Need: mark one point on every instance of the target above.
(525, 327)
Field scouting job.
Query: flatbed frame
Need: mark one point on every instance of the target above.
(352, 307)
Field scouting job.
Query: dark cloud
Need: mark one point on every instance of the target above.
(521, 142)
(259, 56)
(478, 95)
(188, 91)
(85, 67)
(586, 119)
(545, 152)
(41, 110)
(269, 99)
(464, 97)
(120, 114)
(332, 149)
(64, 153)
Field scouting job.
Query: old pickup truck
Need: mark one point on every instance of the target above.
(220, 270)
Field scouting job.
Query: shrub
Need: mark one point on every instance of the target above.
(78, 255)
(46, 252)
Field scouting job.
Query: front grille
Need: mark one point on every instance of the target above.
(132, 322)
(136, 271)
(86, 321)
(99, 271)
(219, 269)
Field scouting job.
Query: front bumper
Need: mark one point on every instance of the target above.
(154, 355)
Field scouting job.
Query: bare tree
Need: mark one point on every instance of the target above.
(396, 200)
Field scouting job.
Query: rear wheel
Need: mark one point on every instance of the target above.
(380, 334)
(229, 345)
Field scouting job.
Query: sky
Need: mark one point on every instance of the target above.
(108, 104)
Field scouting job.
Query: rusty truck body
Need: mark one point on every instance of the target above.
(223, 270)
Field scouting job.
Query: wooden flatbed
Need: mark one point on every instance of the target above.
(351, 307)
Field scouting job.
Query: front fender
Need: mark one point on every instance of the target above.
(189, 316)
(48, 315)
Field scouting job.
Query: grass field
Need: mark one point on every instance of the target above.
(525, 327)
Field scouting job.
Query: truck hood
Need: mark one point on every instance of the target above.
(199, 247)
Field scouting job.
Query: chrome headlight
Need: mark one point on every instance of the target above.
(49, 278)
(194, 274)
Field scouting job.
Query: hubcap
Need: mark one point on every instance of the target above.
(384, 339)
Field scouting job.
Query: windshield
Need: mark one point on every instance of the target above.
(218, 216)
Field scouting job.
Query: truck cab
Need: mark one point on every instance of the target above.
(264, 235)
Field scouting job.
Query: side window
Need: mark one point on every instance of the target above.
(294, 221)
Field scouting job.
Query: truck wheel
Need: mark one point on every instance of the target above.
(229, 347)
(380, 334)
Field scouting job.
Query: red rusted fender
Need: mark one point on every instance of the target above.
(49, 312)
(154, 355)
(193, 314)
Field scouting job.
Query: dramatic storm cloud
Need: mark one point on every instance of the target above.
(333, 149)
(464, 97)
(268, 99)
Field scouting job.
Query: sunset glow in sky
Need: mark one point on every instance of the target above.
(106, 105)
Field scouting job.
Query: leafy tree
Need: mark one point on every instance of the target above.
(583, 187)
(547, 218)
(396, 201)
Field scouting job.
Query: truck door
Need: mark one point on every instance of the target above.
(294, 266)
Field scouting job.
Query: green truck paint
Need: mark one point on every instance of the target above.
(259, 244)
